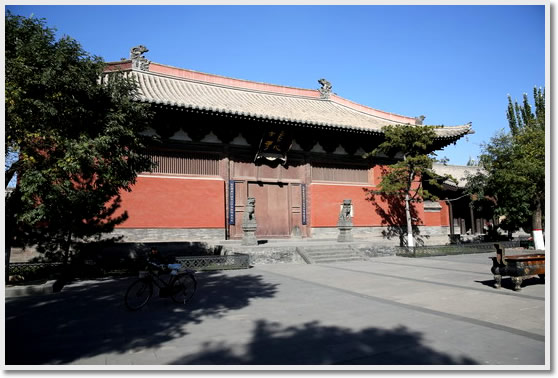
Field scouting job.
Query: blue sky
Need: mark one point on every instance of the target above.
(454, 64)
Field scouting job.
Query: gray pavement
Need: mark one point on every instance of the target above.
(384, 311)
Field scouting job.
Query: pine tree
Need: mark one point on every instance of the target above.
(404, 180)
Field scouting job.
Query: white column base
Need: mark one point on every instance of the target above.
(538, 239)
(410, 241)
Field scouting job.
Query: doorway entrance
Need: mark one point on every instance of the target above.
(279, 208)
(272, 208)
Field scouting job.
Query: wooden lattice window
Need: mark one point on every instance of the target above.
(333, 173)
(178, 163)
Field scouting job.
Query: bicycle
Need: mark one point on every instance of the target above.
(180, 287)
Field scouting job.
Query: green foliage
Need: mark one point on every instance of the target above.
(521, 117)
(414, 146)
(410, 179)
(76, 136)
(514, 165)
(472, 162)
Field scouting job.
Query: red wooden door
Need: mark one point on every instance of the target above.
(272, 208)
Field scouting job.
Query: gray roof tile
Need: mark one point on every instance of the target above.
(190, 89)
(459, 172)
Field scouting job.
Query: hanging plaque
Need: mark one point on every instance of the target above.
(274, 145)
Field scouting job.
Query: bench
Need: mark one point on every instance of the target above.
(517, 267)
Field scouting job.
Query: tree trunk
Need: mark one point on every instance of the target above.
(67, 248)
(410, 178)
(410, 239)
(10, 225)
(8, 247)
(538, 238)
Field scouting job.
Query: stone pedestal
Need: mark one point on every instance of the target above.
(345, 223)
(345, 234)
(249, 237)
(296, 233)
(249, 224)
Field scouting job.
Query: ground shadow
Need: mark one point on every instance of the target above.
(315, 344)
(88, 318)
(508, 284)
(112, 253)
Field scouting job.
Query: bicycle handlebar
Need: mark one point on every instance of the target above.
(175, 269)
(165, 266)
(158, 266)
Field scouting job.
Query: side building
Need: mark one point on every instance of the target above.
(466, 223)
(298, 152)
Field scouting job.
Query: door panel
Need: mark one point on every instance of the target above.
(296, 208)
(240, 201)
(278, 208)
(272, 208)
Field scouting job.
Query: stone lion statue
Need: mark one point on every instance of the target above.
(249, 211)
(345, 213)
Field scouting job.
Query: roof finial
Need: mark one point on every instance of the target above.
(325, 90)
(419, 119)
(138, 60)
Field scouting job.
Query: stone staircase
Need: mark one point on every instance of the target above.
(330, 253)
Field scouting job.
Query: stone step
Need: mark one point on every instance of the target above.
(327, 261)
(332, 254)
(333, 257)
(335, 253)
(327, 247)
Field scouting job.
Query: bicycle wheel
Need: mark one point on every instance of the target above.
(138, 294)
(188, 288)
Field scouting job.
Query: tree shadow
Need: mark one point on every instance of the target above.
(315, 344)
(89, 318)
(391, 210)
(110, 256)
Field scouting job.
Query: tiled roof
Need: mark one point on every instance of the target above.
(459, 172)
(188, 89)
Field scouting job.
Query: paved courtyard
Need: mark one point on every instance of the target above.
(387, 310)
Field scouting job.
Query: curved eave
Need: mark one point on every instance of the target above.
(447, 185)
(260, 117)
(459, 132)
(453, 134)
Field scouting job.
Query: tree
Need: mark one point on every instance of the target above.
(514, 163)
(404, 180)
(76, 138)
(472, 162)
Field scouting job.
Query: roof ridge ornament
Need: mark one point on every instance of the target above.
(139, 62)
(419, 119)
(325, 90)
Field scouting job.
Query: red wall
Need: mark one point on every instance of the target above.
(156, 202)
(325, 201)
(440, 218)
(444, 214)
